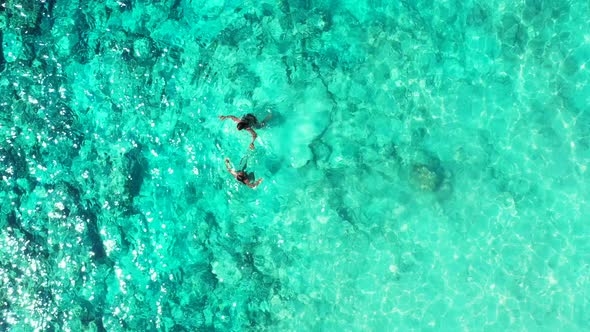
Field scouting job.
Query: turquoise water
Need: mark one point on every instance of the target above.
(425, 167)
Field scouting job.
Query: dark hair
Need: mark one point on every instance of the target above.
(242, 125)
(241, 176)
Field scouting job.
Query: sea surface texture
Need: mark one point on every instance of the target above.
(425, 165)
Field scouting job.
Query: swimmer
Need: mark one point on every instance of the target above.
(248, 122)
(242, 176)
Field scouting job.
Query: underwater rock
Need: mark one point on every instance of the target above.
(65, 35)
(23, 14)
(2, 60)
(423, 169)
(93, 237)
(84, 49)
(226, 270)
(137, 166)
(14, 159)
(273, 165)
(3, 23)
(143, 49)
(320, 20)
(300, 156)
(314, 23)
(307, 122)
(170, 34)
(262, 259)
(236, 34)
(321, 151)
(12, 47)
(425, 178)
(244, 78)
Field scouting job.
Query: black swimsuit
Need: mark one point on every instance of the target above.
(242, 177)
(245, 176)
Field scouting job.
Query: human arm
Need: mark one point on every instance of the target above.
(229, 169)
(253, 133)
(223, 117)
(255, 184)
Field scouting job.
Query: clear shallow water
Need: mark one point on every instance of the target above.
(425, 167)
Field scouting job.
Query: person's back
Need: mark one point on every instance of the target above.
(247, 122)
(242, 176)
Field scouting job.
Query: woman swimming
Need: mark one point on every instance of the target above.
(247, 122)
(242, 176)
